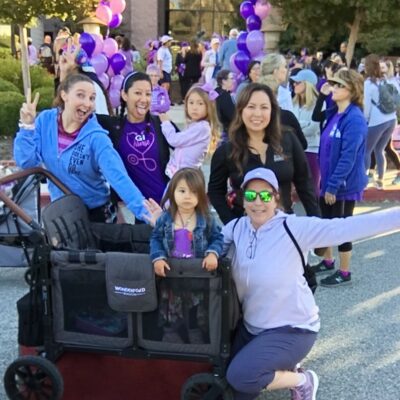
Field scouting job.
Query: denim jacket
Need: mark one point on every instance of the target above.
(207, 237)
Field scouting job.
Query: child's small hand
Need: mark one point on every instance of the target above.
(210, 262)
(163, 117)
(160, 266)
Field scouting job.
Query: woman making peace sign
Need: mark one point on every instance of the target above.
(72, 145)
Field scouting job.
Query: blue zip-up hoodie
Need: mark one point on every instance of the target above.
(207, 237)
(85, 166)
(346, 174)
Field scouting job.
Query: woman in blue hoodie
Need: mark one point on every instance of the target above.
(341, 158)
(71, 144)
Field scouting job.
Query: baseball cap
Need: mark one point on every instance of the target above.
(305, 75)
(264, 174)
(166, 38)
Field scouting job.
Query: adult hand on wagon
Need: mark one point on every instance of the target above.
(27, 112)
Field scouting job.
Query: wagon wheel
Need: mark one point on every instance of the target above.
(206, 387)
(33, 378)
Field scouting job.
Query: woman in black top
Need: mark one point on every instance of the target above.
(224, 103)
(192, 60)
(256, 140)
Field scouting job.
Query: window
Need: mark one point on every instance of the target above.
(189, 17)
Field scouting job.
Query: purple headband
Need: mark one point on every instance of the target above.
(127, 78)
(212, 94)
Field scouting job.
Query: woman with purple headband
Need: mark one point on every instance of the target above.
(138, 138)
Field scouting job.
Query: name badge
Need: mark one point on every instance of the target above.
(278, 157)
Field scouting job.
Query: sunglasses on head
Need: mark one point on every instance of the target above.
(251, 195)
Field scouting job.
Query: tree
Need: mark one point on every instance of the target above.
(22, 12)
(318, 21)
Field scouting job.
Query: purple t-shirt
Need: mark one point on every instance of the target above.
(183, 243)
(138, 148)
(325, 155)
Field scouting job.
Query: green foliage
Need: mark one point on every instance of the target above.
(10, 70)
(22, 11)
(10, 104)
(46, 97)
(318, 23)
(41, 78)
(6, 86)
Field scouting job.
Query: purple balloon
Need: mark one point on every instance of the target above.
(99, 44)
(241, 41)
(116, 82)
(99, 63)
(232, 64)
(242, 61)
(253, 23)
(255, 42)
(246, 9)
(87, 43)
(110, 47)
(105, 80)
(115, 21)
(117, 62)
(115, 98)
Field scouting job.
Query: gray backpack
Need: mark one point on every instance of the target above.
(389, 98)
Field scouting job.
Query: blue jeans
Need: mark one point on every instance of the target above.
(256, 358)
(377, 138)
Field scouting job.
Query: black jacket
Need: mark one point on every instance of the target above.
(294, 168)
(225, 108)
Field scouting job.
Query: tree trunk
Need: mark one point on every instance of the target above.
(26, 78)
(354, 30)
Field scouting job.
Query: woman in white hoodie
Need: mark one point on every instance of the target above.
(280, 316)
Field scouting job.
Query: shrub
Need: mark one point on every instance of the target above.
(10, 70)
(6, 86)
(40, 78)
(46, 97)
(10, 104)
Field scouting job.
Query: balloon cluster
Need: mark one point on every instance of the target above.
(250, 43)
(103, 53)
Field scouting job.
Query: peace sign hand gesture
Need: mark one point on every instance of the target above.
(28, 110)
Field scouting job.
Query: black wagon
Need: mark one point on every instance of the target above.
(92, 288)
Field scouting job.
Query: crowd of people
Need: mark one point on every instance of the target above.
(307, 123)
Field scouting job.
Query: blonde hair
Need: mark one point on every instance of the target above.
(271, 62)
(309, 98)
(211, 116)
(270, 81)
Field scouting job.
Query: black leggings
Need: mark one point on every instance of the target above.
(341, 209)
(391, 153)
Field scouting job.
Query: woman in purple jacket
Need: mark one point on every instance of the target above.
(341, 155)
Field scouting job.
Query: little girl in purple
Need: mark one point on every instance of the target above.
(191, 144)
(185, 230)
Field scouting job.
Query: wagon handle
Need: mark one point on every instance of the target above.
(34, 171)
(22, 174)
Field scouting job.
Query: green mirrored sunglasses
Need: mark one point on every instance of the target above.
(251, 195)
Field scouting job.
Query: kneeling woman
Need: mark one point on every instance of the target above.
(280, 316)
(72, 145)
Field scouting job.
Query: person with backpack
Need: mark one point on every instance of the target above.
(380, 111)
(280, 320)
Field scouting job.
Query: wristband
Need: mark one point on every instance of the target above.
(29, 127)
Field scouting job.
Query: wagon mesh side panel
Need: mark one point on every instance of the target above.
(81, 311)
(188, 319)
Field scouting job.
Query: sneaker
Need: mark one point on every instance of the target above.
(379, 184)
(323, 267)
(370, 178)
(308, 391)
(336, 279)
(396, 181)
